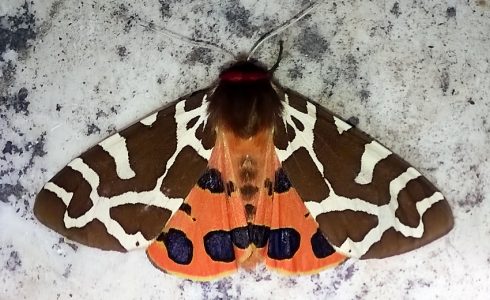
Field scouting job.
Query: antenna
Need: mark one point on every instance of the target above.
(281, 28)
(179, 37)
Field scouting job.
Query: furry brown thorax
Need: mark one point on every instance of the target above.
(245, 100)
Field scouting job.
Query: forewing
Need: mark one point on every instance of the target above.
(119, 194)
(368, 201)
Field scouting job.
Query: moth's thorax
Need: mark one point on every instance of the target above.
(244, 100)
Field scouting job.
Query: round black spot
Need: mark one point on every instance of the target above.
(211, 180)
(218, 246)
(321, 247)
(240, 237)
(179, 247)
(259, 235)
(283, 243)
(281, 183)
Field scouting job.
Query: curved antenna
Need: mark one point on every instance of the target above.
(279, 57)
(177, 36)
(281, 28)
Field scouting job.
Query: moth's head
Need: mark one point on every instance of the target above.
(246, 72)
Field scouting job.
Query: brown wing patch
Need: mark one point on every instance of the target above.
(339, 225)
(305, 176)
(142, 218)
(184, 173)
(148, 151)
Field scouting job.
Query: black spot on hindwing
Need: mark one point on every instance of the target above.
(283, 243)
(218, 245)
(211, 180)
(240, 237)
(320, 246)
(281, 182)
(259, 234)
(179, 247)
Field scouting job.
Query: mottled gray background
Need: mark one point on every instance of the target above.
(414, 74)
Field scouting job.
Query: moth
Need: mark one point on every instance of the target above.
(244, 171)
(241, 172)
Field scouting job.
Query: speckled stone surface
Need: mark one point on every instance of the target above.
(414, 74)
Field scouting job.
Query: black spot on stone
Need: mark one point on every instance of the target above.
(7, 190)
(8, 72)
(354, 121)
(248, 191)
(364, 94)
(444, 81)
(200, 55)
(58, 107)
(281, 182)
(350, 67)
(239, 18)
(451, 12)
(186, 208)
(258, 234)
(10, 148)
(283, 243)
(67, 272)
(100, 113)
(396, 9)
(218, 246)
(268, 186)
(298, 124)
(471, 101)
(165, 9)
(320, 246)
(192, 122)
(211, 180)
(37, 149)
(295, 73)
(92, 129)
(16, 102)
(179, 247)
(312, 44)
(13, 262)
(122, 51)
(240, 237)
(16, 31)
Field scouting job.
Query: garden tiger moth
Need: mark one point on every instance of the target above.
(240, 172)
